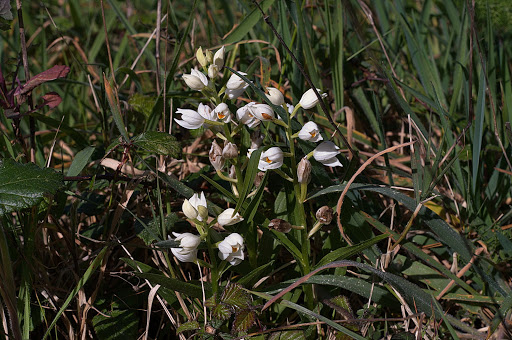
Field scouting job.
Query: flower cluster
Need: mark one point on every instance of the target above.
(254, 117)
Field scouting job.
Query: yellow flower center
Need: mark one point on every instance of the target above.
(266, 116)
(267, 160)
(221, 115)
(313, 133)
(234, 249)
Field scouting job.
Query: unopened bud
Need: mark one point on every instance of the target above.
(209, 56)
(201, 58)
(275, 96)
(202, 211)
(230, 151)
(216, 156)
(304, 171)
(324, 214)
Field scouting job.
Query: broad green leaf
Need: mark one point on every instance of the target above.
(80, 161)
(188, 326)
(116, 325)
(344, 253)
(236, 296)
(160, 143)
(250, 174)
(244, 320)
(222, 311)
(152, 231)
(24, 185)
(142, 104)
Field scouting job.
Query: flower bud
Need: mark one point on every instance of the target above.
(275, 96)
(202, 212)
(201, 58)
(218, 58)
(280, 225)
(304, 171)
(230, 151)
(235, 82)
(195, 80)
(326, 153)
(209, 56)
(324, 214)
(216, 156)
(189, 210)
(213, 71)
(309, 99)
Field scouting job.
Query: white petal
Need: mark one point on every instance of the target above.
(332, 162)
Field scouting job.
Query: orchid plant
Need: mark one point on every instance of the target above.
(244, 123)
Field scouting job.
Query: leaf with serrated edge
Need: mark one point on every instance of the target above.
(188, 326)
(234, 295)
(222, 311)
(244, 320)
(24, 185)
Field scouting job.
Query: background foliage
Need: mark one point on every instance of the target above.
(81, 260)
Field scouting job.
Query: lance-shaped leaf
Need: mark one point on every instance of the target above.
(24, 185)
(56, 72)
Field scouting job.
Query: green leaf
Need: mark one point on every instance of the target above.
(222, 311)
(235, 295)
(244, 320)
(113, 102)
(24, 185)
(116, 325)
(160, 143)
(256, 273)
(344, 253)
(247, 24)
(250, 174)
(190, 289)
(80, 161)
(151, 231)
(188, 326)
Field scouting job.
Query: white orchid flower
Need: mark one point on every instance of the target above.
(227, 217)
(271, 159)
(245, 116)
(262, 112)
(232, 249)
(218, 57)
(222, 112)
(309, 99)
(236, 86)
(310, 132)
(195, 207)
(188, 243)
(196, 80)
(191, 119)
(326, 153)
(275, 96)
